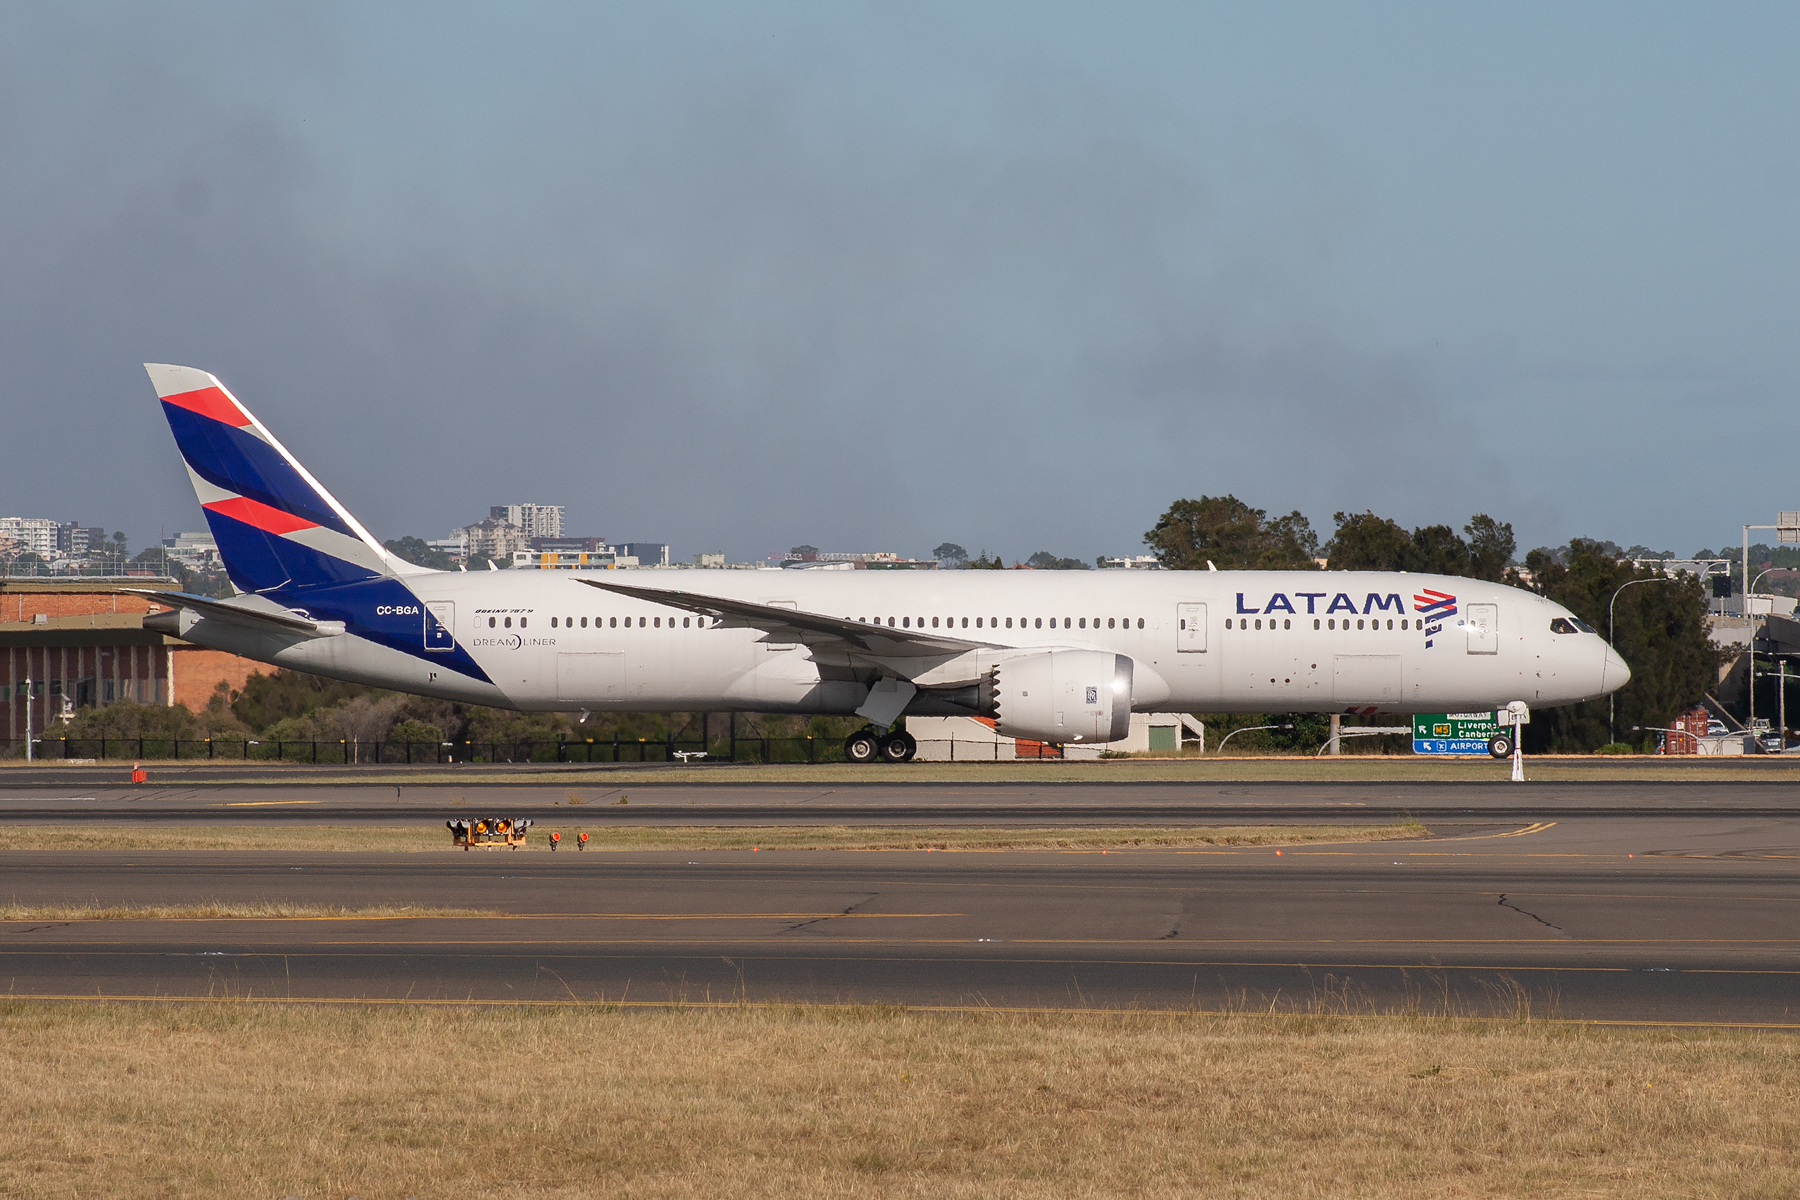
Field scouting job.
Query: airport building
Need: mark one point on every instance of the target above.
(975, 739)
(78, 645)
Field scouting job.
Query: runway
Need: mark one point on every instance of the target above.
(86, 795)
(1670, 909)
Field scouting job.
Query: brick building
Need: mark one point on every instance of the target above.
(90, 646)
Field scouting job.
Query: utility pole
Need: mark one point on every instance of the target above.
(28, 715)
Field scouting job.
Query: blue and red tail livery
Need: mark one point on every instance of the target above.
(278, 530)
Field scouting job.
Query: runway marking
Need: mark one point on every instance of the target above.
(264, 803)
(102, 947)
(799, 916)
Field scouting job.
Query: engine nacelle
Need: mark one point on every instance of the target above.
(1063, 696)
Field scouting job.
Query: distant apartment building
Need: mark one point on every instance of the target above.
(77, 541)
(28, 535)
(495, 539)
(537, 520)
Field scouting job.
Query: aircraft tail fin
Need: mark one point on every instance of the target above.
(277, 527)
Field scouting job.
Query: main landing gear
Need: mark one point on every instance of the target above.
(866, 745)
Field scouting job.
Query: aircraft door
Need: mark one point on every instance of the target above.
(590, 678)
(1483, 626)
(440, 622)
(1190, 628)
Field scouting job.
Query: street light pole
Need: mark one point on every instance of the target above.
(1609, 635)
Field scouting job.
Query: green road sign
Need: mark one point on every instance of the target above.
(1453, 733)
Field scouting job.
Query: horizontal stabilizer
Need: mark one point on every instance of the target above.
(286, 622)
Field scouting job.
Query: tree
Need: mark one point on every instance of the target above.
(984, 563)
(1230, 534)
(1491, 547)
(1366, 542)
(1660, 631)
(1043, 560)
(415, 551)
(950, 554)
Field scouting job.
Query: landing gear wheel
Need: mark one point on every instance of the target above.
(861, 747)
(898, 747)
(1500, 745)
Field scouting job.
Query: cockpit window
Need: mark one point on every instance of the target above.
(1570, 625)
(1582, 625)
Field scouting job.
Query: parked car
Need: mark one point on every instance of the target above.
(1716, 729)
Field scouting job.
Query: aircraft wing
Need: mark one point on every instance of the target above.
(814, 629)
(285, 621)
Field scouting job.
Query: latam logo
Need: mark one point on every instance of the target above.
(1434, 607)
(1373, 603)
(1434, 604)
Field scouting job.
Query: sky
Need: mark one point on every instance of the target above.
(875, 277)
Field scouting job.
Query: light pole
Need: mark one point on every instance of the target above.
(1749, 591)
(1609, 636)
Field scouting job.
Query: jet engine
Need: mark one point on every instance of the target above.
(1063, 696)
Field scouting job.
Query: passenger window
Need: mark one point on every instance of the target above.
(1140, 622)
(615, 623)
(1315, 622)
(1009, 622)
(977, 622)
(1259, 622)
(1084, 622)
(965, 624)
(684, 622)
(1040, 622)
(934, 622)
(1331, 624)
(1390, 622)
(490, 622)
(1286, 624)
(584, 622)
(553, 622)
(1403, 624)
(1110, 622)
(509, 622)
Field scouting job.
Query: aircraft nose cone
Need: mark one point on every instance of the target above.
(1615, 674)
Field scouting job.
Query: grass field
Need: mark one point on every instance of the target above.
(424, 838)
(250, 1100)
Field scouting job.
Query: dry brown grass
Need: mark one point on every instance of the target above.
(421, 838)
(245, 1100)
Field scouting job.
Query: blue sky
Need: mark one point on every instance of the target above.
(877, 277)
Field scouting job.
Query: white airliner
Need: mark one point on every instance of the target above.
(1054, 656)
